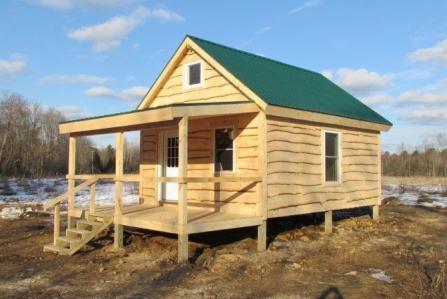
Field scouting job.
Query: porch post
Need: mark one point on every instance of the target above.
(71, 180)
(119, 171)
(262, 186)
(183, 190)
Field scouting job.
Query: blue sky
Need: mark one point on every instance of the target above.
(91, 57)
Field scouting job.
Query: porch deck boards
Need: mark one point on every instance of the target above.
(164, 218)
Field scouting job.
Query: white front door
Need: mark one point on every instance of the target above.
(170, 165)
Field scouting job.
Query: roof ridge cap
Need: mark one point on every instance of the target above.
(255, 55)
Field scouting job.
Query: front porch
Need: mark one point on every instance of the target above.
(164, 218)
(206, 201)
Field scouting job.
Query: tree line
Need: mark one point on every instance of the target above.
(31, 146)
(428, 159)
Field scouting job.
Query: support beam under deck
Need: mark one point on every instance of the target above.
(328, 222)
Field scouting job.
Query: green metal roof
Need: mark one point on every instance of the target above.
(285, 85)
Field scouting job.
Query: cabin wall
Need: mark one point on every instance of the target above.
(234, 197)
(295, 169)
(215, 87)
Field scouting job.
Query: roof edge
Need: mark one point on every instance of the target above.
(152, 108)
(380, 126)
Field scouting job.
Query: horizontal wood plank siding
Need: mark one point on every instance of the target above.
(295, 169)
(148, 164)
(231, 197)
(215, 87)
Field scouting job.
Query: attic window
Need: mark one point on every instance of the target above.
(193, 74)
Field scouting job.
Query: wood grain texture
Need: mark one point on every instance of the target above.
(231, 197)
(215, 88)
(295, 172)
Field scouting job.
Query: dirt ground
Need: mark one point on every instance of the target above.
(404, 255)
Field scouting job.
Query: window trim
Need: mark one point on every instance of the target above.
(339, 157)
(234, 150)
(186, 84)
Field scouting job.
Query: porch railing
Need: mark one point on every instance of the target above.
(91, 181)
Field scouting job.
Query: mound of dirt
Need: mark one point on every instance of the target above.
(403, 255)
(424, 198)
(392, 200)
(220, 258)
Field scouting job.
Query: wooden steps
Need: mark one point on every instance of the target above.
(76, 238)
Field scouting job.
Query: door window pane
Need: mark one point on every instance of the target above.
(172, 158)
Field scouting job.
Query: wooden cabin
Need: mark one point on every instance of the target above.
(229, 139)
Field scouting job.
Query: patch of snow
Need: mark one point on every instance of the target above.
(25, 192)
(409, 194)
(13, 212)
(37, 191)
(380, 275)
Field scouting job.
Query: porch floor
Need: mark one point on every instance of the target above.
(164, 218)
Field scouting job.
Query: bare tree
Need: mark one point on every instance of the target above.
(30, 143)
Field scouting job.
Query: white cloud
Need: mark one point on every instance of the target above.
(73, 79)
(305, 5)
(108, 35)
(328, 74)
(378, 99)
(8, 68)
(361, 82)
(100, 91)
(72, 112)
(420, 97)
(263, 30)
(165, 15)
(433, 95)
(69, 4)
(255, 35)
(436, 54)
(134, 93)
(440, 85)
(426, 116)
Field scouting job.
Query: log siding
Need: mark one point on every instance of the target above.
(231, 197)
(295, 174)
(214, 88)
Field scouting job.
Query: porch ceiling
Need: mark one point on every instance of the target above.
(138, 119)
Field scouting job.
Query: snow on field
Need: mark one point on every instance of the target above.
(28, 192)
(417, 194)
(380, 275)
(17, 195)
(13, 212)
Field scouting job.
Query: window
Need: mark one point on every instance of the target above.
(331, 162)
(193, 74)
(172, 153)
(223, 149)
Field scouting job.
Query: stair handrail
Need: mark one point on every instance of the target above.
(55, 201)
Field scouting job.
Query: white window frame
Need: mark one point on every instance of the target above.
(186, 75)
(339, 157)
(234, 149)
